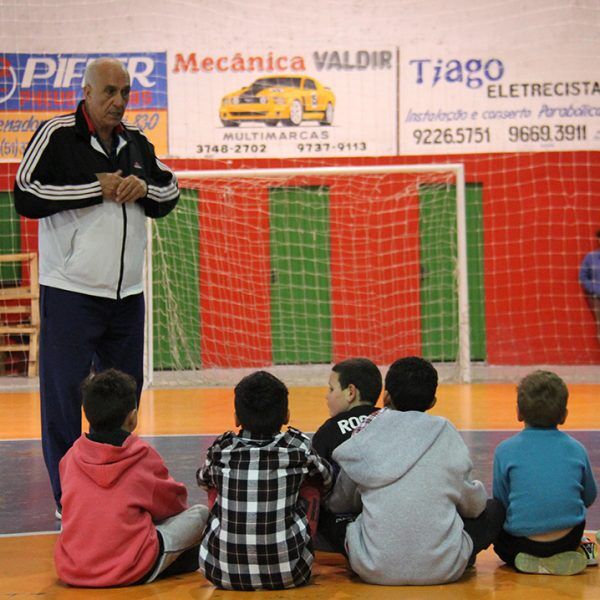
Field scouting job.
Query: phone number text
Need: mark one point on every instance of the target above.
(452, 135)
(547, 133)
(332, 147)
(11, 148)
(231, 148)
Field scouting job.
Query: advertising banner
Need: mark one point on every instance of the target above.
(316, 102)
(497, 101)
(36, 87)
(325, 102)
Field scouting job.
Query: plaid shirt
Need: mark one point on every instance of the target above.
(257, 535)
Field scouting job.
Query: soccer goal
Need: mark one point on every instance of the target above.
(297, 268)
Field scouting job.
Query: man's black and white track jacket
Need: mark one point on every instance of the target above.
(88, 244)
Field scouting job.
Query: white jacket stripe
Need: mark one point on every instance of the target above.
(165, 193)
(30, 162)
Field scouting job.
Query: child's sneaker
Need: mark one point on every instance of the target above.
(564, 563)
(589, 550)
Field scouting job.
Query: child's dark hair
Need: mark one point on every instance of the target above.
(363, 374)
(261, 403)
(411, 383)
(542, 399)
(108, 397)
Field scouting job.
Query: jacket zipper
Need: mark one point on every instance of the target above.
(114, 160)
(122, 267)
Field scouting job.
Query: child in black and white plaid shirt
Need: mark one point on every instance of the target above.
(258, 536)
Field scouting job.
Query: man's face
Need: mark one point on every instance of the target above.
(106, 96)
(337, 398)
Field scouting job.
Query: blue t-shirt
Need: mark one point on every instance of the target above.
(544, 479)
(589, 273)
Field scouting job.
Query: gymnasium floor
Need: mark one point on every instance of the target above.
(181, 424)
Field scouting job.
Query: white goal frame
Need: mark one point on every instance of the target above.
(464, 349)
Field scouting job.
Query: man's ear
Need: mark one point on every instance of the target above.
(433, 402)
(237, 421)
(287, 418)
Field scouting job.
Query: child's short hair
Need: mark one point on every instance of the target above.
(363, 374)
(411, 383)
(261, 403)
(108, 397)
(542, 399)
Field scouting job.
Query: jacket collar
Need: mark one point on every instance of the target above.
(85, 127)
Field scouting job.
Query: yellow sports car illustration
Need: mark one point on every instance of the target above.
(287, 98)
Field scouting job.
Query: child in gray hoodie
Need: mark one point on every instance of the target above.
(422, 519)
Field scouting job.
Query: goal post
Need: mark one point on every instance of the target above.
(252, 247)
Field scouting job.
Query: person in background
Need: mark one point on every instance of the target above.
(589, 278)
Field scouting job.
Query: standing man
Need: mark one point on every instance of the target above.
(91, 180)
(589, 277)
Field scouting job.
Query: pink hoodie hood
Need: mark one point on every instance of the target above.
(105, 464)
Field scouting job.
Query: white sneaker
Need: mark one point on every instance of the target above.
(589, 550)
(564, 563)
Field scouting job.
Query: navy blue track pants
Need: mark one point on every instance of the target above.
(78, 331)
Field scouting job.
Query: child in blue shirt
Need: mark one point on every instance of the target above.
(544, 479)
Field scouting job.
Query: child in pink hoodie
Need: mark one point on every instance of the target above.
(125, 520)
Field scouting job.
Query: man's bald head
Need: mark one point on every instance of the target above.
(97, 67)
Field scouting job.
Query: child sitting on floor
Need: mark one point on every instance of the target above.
(354, 388)
(544, 479)
(258, 534)
(421, 518)
(125, 520)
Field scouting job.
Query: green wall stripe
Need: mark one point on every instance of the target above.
(10, 238)
(300, 275)
(176, 286)
(439, 299)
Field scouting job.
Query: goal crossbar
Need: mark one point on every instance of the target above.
(321, 171)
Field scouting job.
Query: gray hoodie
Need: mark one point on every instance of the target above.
(409, 476)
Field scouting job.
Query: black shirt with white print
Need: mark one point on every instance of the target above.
(338, 429)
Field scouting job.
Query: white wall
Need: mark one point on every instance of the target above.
(91, 26)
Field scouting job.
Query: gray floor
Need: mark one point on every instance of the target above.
(26, 503)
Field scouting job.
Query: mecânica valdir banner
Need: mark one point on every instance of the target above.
(287, 103)
(36, 87)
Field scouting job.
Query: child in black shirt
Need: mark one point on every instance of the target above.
(354, 388)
